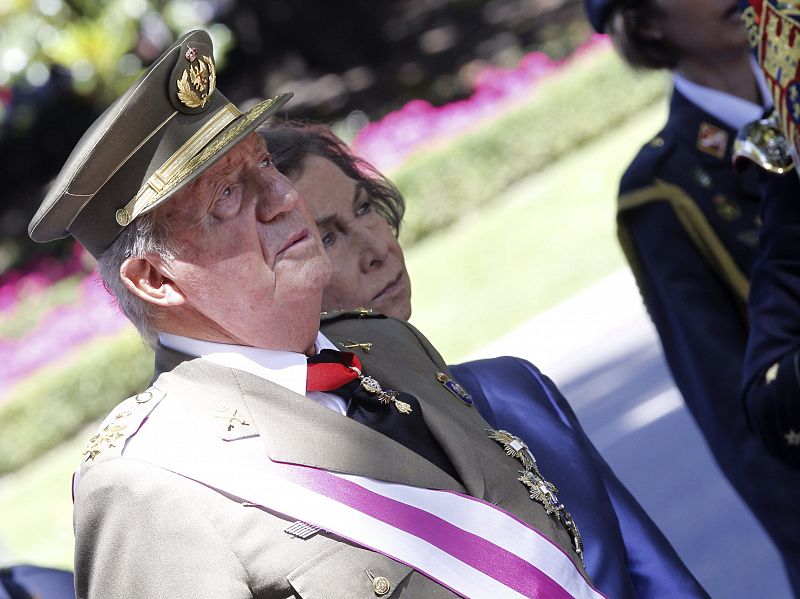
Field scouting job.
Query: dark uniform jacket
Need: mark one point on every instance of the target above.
(772, 362)
(689, 228)
(143, 531)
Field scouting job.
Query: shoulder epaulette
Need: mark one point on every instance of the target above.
(647, 164)
(360, 313)
(123, 422)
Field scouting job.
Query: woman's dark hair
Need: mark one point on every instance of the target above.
(629, 26)
(291, 142)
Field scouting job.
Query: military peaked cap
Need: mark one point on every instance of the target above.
(170, 126)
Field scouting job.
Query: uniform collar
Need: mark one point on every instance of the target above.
(284, 368)
(735, 112)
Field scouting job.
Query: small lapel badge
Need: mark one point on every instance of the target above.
(232, 416)
(365, 346)
(453, 387)
(727, 209)
(712, 140)
(302, 530)
(702, 177)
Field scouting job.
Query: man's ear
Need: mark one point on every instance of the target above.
(143, 277)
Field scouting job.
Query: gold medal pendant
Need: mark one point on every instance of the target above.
(388, 396)
(371, 385)
(402, 406)
(539, 489)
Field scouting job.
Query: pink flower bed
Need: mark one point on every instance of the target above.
(388, 142)
(37, 276)
(60, 332)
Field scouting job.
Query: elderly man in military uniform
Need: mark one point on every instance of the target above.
(264, 461)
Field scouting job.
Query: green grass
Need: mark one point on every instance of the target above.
(536, 244)
(39, 497)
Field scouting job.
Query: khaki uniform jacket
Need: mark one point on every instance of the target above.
(142, 531)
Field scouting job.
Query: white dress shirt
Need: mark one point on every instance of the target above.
(285, 368)
(733, 111)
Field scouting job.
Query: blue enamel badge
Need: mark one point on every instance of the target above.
(454, 388)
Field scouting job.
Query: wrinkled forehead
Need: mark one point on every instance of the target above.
(192, 201)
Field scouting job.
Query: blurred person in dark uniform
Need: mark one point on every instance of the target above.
(358, 212)
(772, 364)
(688, 224)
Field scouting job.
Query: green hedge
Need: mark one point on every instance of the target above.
(441, 185)
(579, 103)
(57, 401)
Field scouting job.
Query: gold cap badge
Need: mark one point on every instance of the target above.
(198, 80)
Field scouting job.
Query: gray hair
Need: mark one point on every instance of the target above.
(148, 234)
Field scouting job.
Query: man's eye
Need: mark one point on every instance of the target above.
(266, 162)
(226, 193)
(328, 239)
(364, 208)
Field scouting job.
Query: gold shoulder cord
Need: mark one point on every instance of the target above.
(695, 224)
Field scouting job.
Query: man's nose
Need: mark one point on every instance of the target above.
(275, 195)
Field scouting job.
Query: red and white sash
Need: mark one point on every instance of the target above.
(473, 548)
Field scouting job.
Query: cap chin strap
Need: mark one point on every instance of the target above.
(163, 176)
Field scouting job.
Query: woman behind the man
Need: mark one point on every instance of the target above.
(358, 212)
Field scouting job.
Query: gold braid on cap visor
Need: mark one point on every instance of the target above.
(163, 177)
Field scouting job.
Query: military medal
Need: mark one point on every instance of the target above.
(453, 387)
(388, 396)
(539, 489)
(515, 447)
(327, 375)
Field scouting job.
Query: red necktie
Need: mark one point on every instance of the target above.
(330, 369)
(340, 373)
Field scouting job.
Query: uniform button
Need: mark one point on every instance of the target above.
(144, 397)
(657, 142)
(381, 585)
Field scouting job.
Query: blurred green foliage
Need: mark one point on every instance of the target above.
(53, 404)
(577, 104)
(101, 43)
